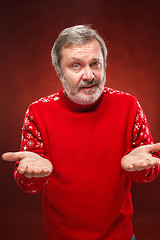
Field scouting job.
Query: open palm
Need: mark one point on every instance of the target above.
(30, 164)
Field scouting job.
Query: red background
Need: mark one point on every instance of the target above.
(28, 29)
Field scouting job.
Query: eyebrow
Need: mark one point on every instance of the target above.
(96, 60)
(92, 60)
(75, 59)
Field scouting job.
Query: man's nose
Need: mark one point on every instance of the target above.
(87, 74)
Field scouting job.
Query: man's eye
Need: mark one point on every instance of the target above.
(76, 66)
(96, 65)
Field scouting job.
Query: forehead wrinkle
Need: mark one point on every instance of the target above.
(90, 51)
(81, 50)
(92, 46)
(80, 54)
(74, 59)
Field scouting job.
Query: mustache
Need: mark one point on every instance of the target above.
(87, 83)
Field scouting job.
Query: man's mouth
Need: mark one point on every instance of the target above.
(89, 86)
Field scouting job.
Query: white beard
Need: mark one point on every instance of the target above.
(83, 96)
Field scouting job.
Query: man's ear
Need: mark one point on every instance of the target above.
(58, 72)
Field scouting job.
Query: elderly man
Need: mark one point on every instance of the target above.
(83, 145)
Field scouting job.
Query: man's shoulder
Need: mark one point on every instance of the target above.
(118, 94)
(47, 99)
(112, 91)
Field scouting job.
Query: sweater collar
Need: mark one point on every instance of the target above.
(79, 107)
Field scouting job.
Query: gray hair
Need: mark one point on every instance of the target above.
(75, 35)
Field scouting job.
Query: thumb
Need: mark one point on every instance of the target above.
(12, 156)
(153, 147)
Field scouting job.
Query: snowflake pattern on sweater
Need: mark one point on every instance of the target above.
(31, 137)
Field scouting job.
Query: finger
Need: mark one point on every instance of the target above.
(142, 164)
(29, 171)
(36, 175)
(154, 161)
(22, 166)
(36, 171)
(10, 156)
(28, 175)
(43, 173)
(46, 171)
(130, 167)
(153, 147)
(21, 170)
(33, 175)
(13, 156)
(146, 164)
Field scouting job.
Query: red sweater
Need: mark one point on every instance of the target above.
(87, 197)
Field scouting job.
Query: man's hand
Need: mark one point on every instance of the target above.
(141, 158)
(30, 164)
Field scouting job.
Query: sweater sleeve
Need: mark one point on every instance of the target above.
(31, 141)
(142, 136)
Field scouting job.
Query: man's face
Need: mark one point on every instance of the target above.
(83, 72)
